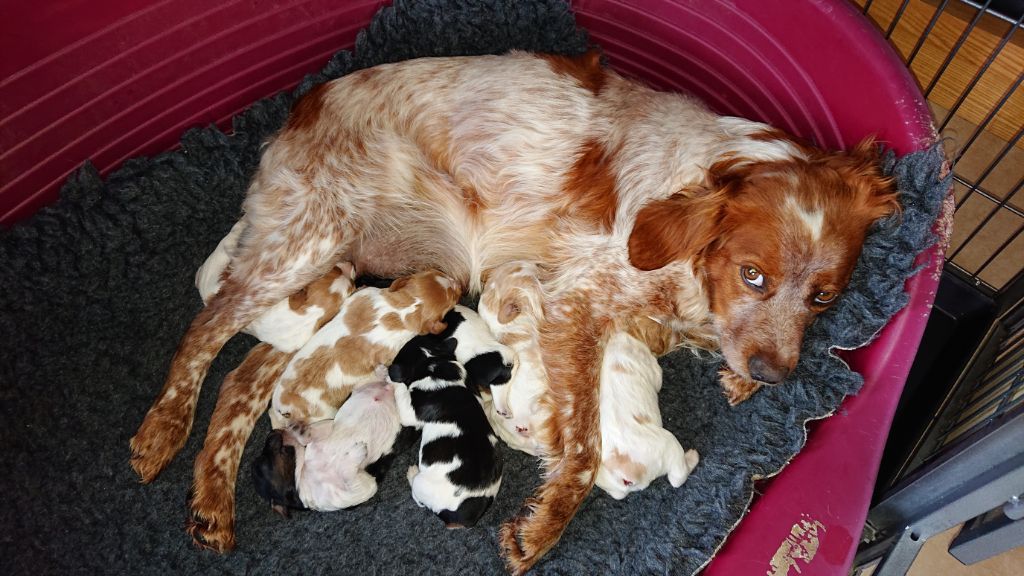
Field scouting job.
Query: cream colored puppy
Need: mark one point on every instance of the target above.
(635, 448)
(511, 305)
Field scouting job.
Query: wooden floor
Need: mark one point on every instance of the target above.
(935, 560)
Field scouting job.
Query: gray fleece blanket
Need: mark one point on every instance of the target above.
(97, 290)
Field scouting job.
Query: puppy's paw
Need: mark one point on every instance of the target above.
(736, 388)
(692, 458)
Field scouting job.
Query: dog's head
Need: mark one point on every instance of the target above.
(273, 474)
(776, 242)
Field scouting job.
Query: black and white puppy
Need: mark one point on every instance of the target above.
(459, 470)
(489, 364)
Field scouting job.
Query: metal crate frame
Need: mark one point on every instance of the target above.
(969, 459)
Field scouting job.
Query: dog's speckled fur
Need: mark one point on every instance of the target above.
(98, 289)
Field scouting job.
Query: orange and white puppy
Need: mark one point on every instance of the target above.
(635, 448)
(512, 306)
(291, 322)
(371, 327)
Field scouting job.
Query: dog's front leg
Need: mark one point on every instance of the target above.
(572, 344)
(243, 397)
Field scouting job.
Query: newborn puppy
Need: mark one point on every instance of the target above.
(371, 327)
(291, 322)
(329, 473)
(511, 307)
(459, 470)
(273, 473)
(488, 363)
(635, 449)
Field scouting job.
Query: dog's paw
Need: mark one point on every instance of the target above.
(736, 388)
(517, 561)
(526, 538)
(156, 443)
(211, 522)
(211, 532)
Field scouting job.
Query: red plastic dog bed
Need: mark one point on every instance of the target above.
(110, 80)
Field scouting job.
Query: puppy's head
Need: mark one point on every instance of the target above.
(467, 514)
(410, 364)
(434, 295)
(273, 474)
(327, 293)
(777, 241)
(512, 299)
(446, 369)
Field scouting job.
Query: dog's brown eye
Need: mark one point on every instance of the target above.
(825, 297)
(752, 276)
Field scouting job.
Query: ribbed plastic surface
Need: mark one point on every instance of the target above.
(109, 80)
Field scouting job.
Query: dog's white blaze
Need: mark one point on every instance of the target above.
(813, 220)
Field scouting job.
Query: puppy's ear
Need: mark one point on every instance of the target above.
(435, 327)
(510, 309)
(675, 228)
(398, 284)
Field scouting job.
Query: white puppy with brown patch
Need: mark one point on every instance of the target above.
(635, 448)
(291, 322)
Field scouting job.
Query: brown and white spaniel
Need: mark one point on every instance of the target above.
(633, 203)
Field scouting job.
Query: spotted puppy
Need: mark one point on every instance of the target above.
(459, 470)
(371, 327)
(291, 322)
(329, 472)
(489, 364)
(511, 307)
(635, 448)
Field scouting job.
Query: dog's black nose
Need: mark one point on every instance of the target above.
(764, 370)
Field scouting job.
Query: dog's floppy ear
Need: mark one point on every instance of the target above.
(675, 228)
(862, 168)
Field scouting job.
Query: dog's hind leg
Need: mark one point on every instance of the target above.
(293, 236)
(244, 396)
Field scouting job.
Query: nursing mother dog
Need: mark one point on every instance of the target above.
(632, 202)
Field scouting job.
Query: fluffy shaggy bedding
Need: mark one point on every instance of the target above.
(97, 290)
